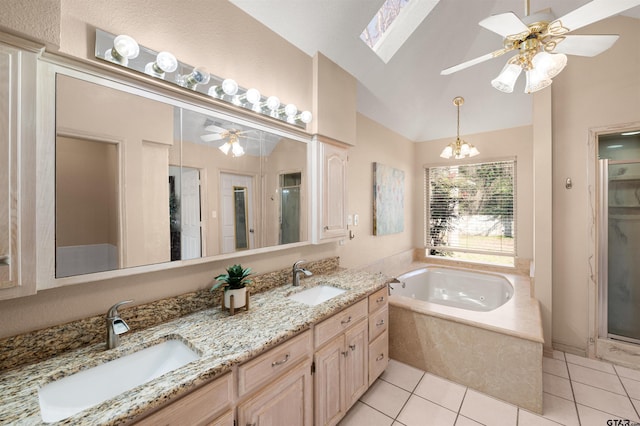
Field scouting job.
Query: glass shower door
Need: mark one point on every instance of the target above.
(620, 216)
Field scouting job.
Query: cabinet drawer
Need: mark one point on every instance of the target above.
(199, 407)
(338, 323)
(270, 365)
(378, 322)
(378, 356)
(378, 299)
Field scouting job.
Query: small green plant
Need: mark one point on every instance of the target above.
(235, 278)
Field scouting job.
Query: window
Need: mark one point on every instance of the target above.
(470, 212)
(393, 24)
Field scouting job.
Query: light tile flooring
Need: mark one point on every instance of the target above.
(577, 391)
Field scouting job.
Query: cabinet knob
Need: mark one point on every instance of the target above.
(326, 228)
(352, 347)
(5, 260)
(345, 353)
(380, 299)
(379, 323)
(380, 357)
(282, 361)
(347, 321)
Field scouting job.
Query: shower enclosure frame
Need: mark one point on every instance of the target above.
(603, 247)
(599, 345)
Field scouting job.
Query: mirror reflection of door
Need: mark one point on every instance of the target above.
(184, 212)
(290, 207)
(87, 206)
(236, 212)
(240, 215)
(191, 235)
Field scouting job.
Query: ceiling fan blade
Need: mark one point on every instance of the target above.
(212, 137)
(595, 11)
(585, 45)
(473, 62)
(215, 129)
(505, 24)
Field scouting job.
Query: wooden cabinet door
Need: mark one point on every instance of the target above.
(329, 383)
(287, 401)
(356, 371)
(334, 190)
(17, 171)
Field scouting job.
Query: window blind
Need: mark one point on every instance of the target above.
(471, 209)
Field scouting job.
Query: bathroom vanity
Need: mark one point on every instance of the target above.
(282, 359)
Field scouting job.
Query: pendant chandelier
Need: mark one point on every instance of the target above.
(459, 148)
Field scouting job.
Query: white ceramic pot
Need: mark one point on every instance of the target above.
(239, 298)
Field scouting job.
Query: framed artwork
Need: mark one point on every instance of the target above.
(388, 200)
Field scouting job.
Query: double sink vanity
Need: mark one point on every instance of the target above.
(301, 355)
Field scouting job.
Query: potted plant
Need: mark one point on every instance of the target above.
(234, 283)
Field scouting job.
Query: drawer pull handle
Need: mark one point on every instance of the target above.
(276, 363)
(347, 321)
(352, 347)
(380, 357)
(380, 299)
(5, 260)
(379, 323)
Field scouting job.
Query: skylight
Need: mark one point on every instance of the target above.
(393, 24)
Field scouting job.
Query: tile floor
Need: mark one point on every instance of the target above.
(577, 391)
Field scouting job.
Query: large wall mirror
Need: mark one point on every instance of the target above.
(146, 180)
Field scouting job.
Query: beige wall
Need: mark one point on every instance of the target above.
(502, 144)
(37, 20)
(590, 92)
(376, 143)
(86, 170)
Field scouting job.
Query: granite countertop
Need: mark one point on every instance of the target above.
(222, 340)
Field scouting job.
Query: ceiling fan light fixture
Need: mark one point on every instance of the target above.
(506, 80)
(225, 148)
(536, 80)
(550, 64)
(236, 149)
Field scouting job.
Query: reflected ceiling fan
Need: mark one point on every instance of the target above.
(233, 139)
(542, 46)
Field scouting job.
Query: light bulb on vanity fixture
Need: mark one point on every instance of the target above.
(304, 116)
(459, 148)
(272, 104)
(124, 48)
(290, 111)
(251, 96)
(165, 62)
(228, 87)
(199, 75)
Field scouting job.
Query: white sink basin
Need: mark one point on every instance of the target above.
(316, 295)
(70, 395)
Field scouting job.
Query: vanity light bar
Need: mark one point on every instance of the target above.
(124, 51)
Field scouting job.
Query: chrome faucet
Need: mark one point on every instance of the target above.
(115, 325)
(296, 270)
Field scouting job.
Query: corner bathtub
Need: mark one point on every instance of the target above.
(453, 287)
(482, 330)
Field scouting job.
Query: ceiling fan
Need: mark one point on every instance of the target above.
(233, 136)
(542, 46)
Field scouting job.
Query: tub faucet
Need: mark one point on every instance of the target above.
(115, 325)
(296, 270)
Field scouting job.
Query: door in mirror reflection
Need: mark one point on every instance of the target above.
(237, 212)
(290, 185)
(87, 206)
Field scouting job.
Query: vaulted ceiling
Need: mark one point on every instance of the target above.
(408, 94)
